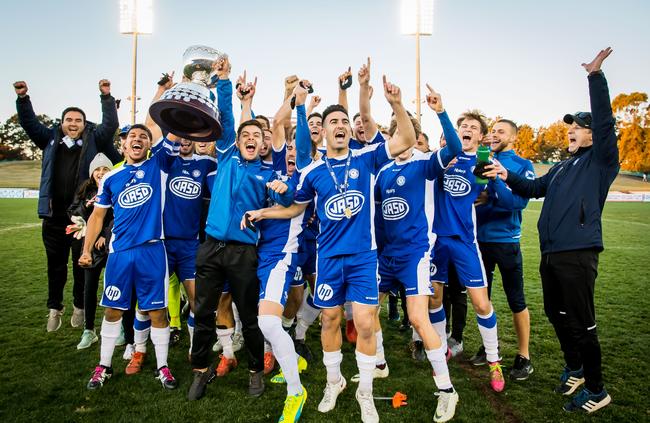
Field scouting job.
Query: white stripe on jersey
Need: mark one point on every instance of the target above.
(303, 174)
(295, 229)
(429, 211)
(373, 241)
(163, 184)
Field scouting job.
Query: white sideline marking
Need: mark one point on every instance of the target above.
(23, 226)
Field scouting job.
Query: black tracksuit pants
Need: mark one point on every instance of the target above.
(568, 282)
(216, 263)
(57, 249)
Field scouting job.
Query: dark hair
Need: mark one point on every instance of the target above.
(314, 114)
(473, 115)
(509, 122)
(265, 119)
(143, 127)
(356, 116)
(333, 108)
(85, 188)
(426, 137)
(251, 122)
(72, 109)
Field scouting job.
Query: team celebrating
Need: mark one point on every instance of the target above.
(273, 226)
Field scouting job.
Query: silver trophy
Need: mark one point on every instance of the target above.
(186, 109)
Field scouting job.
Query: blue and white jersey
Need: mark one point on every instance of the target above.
(186, 184)
(137, 194)
(404, 191)
(339, 234)
(280, 159)
(454, 197)
(357, 145)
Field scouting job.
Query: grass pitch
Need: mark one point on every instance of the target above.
(43, 376)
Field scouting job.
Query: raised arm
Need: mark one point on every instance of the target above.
(454, 146)
(282, 116)
(36, 131)
(303, 136)
(224, 97)
(343, 93)
(369, 124)
(164, 84)
(245, 92)
(105, 131)
(405, 135)
(603, 122)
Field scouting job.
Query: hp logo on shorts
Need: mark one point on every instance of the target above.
(324, 292)
(112, 292)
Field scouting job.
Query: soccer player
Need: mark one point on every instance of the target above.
(136, 260)
(570, 234)
(455, 226)
(499, 230)
(404, 191)
(342, 183)
(229, 253)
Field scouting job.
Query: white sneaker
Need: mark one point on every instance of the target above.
(455, 347)
(377, 373)
(367, 404)
(446, 406)
(237, 341)
(54, 320)
(128, 352)
(77, 319)
(217, 347)
(330, 394)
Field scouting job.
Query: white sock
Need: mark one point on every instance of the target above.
(285, 353)
(487, 326)
(287, 323)
(438, 362)
(225, 337)
(332, 361)
(366, 365)
(141, 328)
(348, 310)
(307, 314)
(190, 327)
(110, 331)
(438, 319)
(380, 348)
(160, 341)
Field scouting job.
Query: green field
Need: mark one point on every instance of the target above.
(43, 376)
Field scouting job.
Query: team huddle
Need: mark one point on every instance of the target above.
(275, 225)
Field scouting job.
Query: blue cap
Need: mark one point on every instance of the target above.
(125, 129)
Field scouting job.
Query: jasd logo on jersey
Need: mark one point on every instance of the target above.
(456, 185)
(394, 208)
(185, 187)
(135, 195)
(335, 206)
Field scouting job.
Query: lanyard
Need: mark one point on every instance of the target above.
(342, 189)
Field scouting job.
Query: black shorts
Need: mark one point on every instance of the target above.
(506, 255)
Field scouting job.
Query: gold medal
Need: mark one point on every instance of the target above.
(348, 212)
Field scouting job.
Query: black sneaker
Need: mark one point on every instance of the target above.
(479, 358)
(256, 383)
(522, 368)
(417, 351)
(303, 349)
(570, 380)
(100, 375)
(166, 378)
(588, 402)
(199, 382)
(174, 336)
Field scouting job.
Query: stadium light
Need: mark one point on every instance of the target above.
(136, 17)
(417, 19)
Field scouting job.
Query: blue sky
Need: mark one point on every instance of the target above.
(517, 59)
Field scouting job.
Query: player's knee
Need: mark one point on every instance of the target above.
(517, 305)
(330, 320)
(269, 325)
(112, 315)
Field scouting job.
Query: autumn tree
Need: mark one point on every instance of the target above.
(632, 113)
(526, 146)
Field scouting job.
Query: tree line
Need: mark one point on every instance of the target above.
(543, 144)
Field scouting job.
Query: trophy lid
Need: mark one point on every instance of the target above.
(199, 61)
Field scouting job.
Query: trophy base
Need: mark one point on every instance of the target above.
(187, 111)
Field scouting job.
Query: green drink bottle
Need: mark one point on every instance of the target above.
(482, 158)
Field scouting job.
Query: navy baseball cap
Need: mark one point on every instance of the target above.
(583, 119)
(125, 130)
